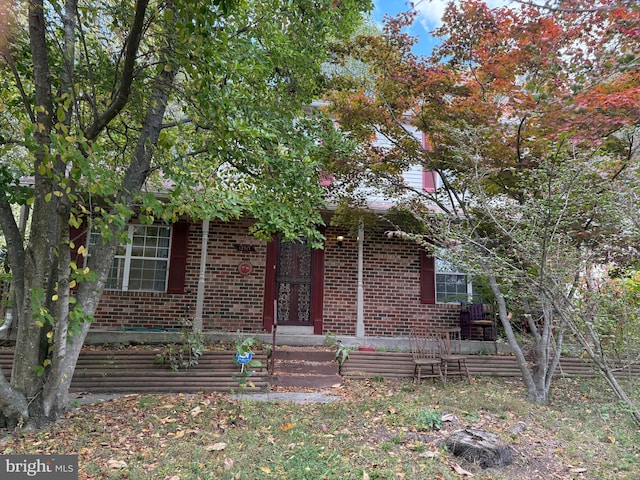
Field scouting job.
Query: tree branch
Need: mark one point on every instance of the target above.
(15, 246)
(122, 95)
(41, 72)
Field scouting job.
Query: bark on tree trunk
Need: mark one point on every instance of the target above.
(40, 380)
(537, 379)
(481, 447)
(55, 394)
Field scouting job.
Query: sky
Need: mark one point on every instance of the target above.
(429, 15)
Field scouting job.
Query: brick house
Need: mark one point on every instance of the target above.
(243, 280)
(221, 279)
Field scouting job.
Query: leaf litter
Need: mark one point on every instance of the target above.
(125, 436)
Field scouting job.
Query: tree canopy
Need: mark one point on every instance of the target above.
(528, 116)
(158, 109)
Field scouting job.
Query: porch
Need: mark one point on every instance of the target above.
(283, 337)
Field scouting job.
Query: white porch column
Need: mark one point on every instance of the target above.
(197, 319)
(360, 298)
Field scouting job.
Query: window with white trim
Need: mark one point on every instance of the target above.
(141, 264)
(452, 284)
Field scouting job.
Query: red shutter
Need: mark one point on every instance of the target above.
(178, 258)
(429, 180)
(317, 293)
(429, 177)
(427, 278)
(426, 143)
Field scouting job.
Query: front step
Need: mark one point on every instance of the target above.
(310, 368)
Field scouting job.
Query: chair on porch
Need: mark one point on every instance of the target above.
(477, 315)
(451, 354)
(425, 348)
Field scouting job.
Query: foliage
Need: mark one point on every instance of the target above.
(184, 354)
(370, 430)
(244, 358)
(611, 315)
(529, 117)
(152, 110)
(429, 419)
(342, 351)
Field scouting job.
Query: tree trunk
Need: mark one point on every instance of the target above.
(480, 447)
(45, 353)
(55, 393)
(537, 377)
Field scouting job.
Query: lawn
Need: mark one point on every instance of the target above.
(379, 429)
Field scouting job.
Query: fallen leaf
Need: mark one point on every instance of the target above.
(216, 447)
(116, 464)
(265, 469)
(429, 454)
(180, 434)
(611, 439)
(228, 463)
(578, 470)
(461, 471)
(286, 426)
(196, 411)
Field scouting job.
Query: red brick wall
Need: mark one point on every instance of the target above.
(234, 301)
(391, 282)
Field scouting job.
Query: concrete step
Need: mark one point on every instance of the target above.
(306, 381)
(306, 368)
(313, 368)
(310, 355)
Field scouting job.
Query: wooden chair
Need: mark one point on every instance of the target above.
(425, 348)
(477, 315)
(451, 354)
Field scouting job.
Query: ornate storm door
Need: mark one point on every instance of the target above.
(293, 283)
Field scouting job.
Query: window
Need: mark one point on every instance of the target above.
(442, 282)
(142, 264)
(452, 285)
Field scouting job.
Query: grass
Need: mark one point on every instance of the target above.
(379, 430)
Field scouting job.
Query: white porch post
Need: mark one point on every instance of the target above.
(360, 297)
(197, 319)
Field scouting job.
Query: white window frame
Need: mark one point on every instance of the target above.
(443, 267)
(127, 256)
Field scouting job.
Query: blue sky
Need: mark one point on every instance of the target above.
(429, 15)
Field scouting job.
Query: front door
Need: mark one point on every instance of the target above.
(293, 284)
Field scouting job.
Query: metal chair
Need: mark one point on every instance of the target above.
(425, 348)
(451, 354)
